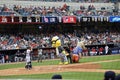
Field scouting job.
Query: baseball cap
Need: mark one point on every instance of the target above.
(57, 76)
(109, 75)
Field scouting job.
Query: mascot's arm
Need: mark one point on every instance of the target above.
(57, 51)
(63, 52)
(84, 48)
(66, 53)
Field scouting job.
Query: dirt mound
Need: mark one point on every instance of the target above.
(49, 69)
(79, 67)
(85, 66)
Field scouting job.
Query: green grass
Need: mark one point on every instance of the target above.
(34, 63)
(65, 75)
(111, 65)
(100, 58)
(55, 62)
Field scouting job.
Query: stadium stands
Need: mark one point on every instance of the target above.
(60, 8)
(47, 4)
(25, 8)
(22, 41)
(90, 1)
(31, 7)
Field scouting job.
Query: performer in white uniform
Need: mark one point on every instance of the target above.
(106, 49)
(28, 58)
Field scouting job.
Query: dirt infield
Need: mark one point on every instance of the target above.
(80, 67)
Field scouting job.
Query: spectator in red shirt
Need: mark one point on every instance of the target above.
(93, 51)
(101, 50)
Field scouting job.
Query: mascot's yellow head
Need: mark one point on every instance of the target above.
(56, 42)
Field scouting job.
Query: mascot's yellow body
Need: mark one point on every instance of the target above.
(56, 42)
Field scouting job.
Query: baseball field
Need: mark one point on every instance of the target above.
(88, 68)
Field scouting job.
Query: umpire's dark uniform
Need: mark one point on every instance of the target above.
(69, 57)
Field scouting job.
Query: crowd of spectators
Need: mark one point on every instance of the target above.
(89, 1)
(22, 41)
(63, 10)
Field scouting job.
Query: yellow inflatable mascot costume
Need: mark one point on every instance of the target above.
(60, 51)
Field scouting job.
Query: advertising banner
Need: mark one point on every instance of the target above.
(69, 19)
(86, 19)
(59, 19)
(16, 19)
(98, 19)
(115, 50)
(114, 18)
(52, 19)
(105, 18)
(19, 19)
(79, 18)
(5, 19)
(49, 19)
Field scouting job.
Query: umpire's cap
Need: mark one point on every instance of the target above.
(109, 75)
(57, 76)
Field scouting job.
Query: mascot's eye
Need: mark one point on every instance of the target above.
(53, 42)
